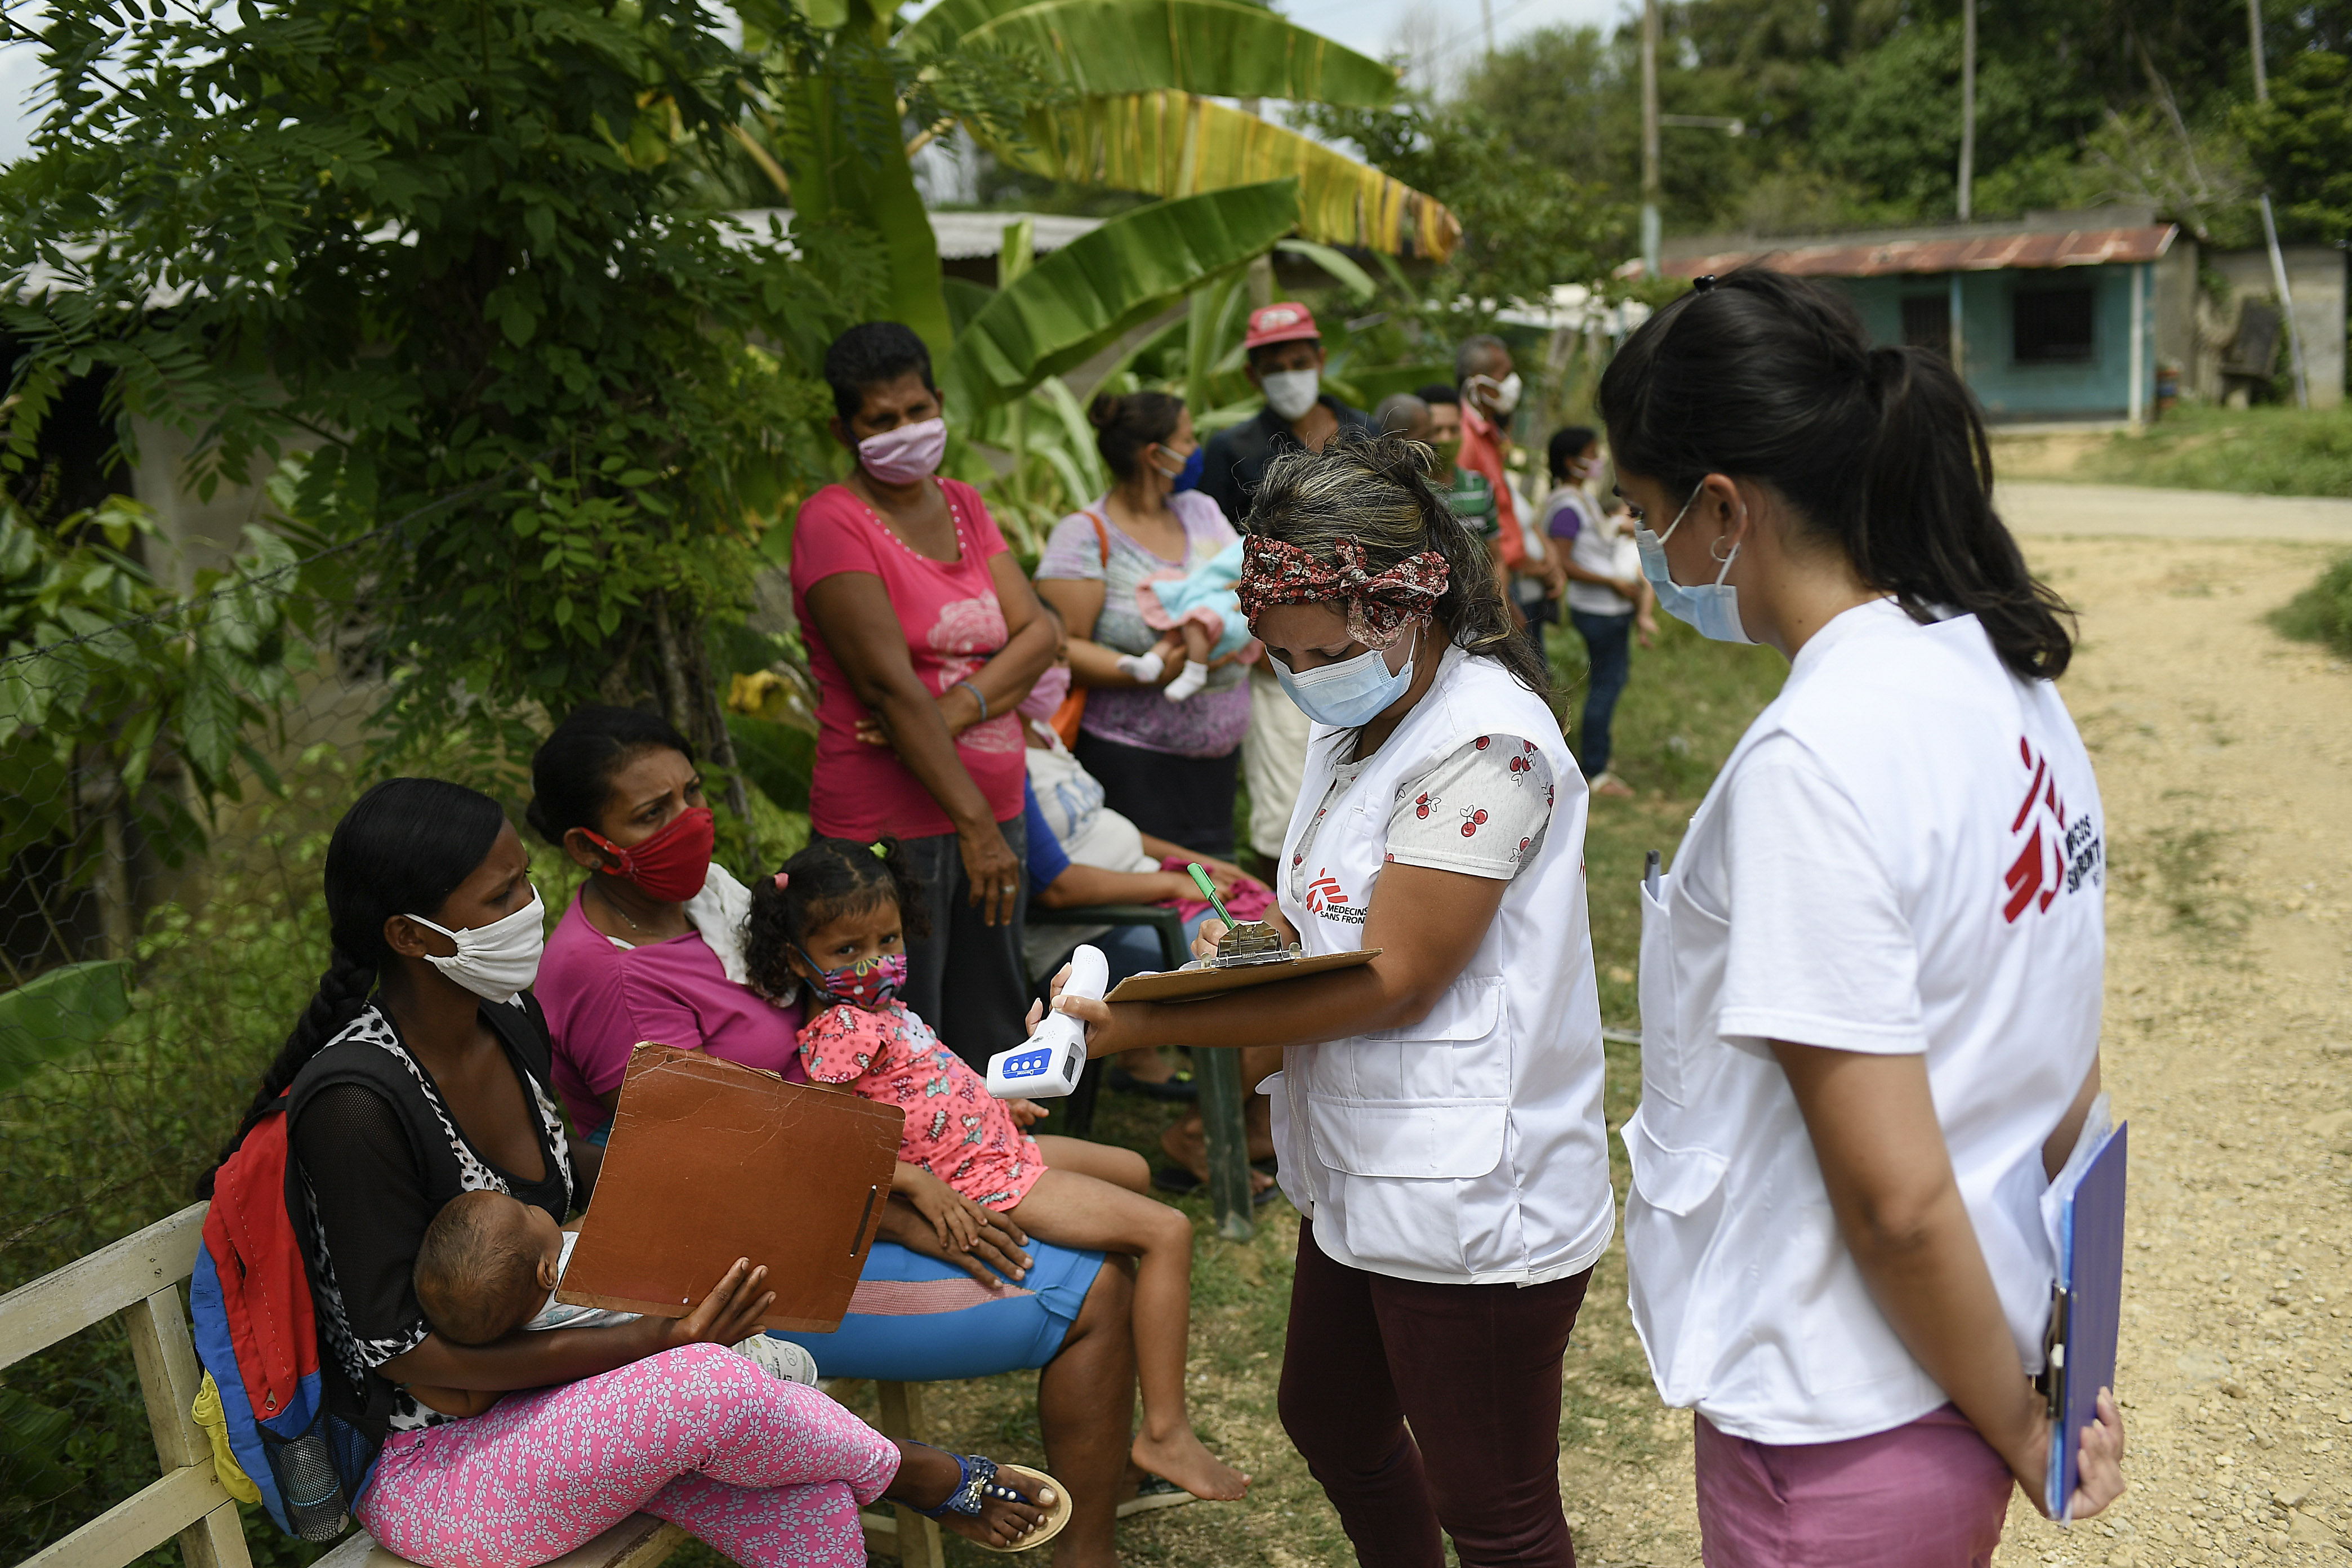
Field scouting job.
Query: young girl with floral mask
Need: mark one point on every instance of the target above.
(832, 927)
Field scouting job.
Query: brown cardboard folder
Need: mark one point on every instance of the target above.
(711, 1160)
(1190, 984)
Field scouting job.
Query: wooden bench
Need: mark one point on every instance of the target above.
(139, 1278)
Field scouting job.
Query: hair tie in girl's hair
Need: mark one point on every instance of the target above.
(881, 851)
(1701, 285)
(782, 881)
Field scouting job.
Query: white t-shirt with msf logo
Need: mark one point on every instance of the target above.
(1904, 856)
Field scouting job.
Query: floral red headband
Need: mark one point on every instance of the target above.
(1380, 606)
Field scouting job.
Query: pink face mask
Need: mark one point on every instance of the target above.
(907, 454)
(1045, 698)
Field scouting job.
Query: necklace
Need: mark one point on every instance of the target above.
(613, 904)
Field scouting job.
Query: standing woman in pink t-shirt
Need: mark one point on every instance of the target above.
(921, 621)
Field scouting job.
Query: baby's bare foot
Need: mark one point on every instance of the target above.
(1182, 1459)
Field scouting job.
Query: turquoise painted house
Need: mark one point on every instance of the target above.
(2053, 318)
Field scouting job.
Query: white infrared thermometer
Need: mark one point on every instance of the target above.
(1046, 1065)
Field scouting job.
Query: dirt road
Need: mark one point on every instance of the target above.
(2225, 763)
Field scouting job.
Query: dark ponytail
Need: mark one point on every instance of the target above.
(1772, 378)
(1376, 490)
(1125, 424)
(830, 878)
(402, 848)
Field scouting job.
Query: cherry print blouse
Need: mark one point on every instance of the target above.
(1483, 810)
(955, 1129)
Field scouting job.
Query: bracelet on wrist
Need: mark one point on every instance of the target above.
(976, 697)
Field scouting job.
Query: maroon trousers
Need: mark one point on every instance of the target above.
(1475, 1369)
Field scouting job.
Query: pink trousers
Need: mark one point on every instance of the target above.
(1931, 1494)
(770, 1473)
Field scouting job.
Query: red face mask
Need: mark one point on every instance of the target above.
(674, 863)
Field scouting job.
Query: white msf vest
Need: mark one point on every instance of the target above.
(1467, 1148)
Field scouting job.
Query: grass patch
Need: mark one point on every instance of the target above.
(2185, 873)
(2253, 451)
(2321, 612)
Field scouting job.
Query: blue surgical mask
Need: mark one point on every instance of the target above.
(1712, 609)
(1189, 475)
(1351, 692)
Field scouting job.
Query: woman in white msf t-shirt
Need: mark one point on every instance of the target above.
(1871, 983)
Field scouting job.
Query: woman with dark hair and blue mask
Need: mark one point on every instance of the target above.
(420, 1070)
(1870, 982)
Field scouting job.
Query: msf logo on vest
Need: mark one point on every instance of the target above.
(2053, 854)
(1327, 900)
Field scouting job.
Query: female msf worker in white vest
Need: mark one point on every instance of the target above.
(1439, 1108)
(1871, 985)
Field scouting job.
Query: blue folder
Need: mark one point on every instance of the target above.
(2084, 1209)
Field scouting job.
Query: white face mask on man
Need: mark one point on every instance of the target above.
(496, 960)
(1291, 393)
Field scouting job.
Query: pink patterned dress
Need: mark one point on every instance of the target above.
(955, 1129)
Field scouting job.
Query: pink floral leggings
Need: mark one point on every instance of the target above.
(771, 1474)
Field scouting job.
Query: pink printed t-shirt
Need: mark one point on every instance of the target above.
(948, 612)
(955, 1129)
(601, 999)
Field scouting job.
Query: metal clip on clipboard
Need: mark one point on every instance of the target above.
(1245, 941)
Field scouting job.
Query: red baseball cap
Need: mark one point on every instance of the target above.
(1285, 323)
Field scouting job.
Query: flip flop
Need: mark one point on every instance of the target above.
(1176, 1179)
(1180, 1086)
(1155, 1492)
(980, 1480)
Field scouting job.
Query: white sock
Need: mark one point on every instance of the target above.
(780, 1358)
(1195, 676)
(1144, 667)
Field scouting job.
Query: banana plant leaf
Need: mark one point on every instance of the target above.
(67, 1009)
(1346, 273)
(940, 26)
(1219, 46)
(1082, 296)
(1169, 144)
(32, 1447)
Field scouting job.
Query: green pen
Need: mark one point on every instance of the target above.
(1209, 891)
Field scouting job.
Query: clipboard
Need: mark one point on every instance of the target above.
(1196, 980)
(711, 1160)
(2084, 1212)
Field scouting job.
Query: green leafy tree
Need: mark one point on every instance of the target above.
(125, 710)
(2301, 140)
(457, 254)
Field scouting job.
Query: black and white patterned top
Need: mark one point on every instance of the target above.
(370, 1206)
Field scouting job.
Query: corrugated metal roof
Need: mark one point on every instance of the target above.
(1983, 253)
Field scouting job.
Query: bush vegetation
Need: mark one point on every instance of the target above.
(2251, 451)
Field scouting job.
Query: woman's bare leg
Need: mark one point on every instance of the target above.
(1086, 1408)
(1073, 1210)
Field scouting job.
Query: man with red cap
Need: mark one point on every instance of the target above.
(1285, 363)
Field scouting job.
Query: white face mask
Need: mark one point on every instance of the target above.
(496, 960)
(1501, 396)
(1291, 393)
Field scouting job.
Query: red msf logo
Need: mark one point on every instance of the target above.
(2033, 877)
(1323, 893)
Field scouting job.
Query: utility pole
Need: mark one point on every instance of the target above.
(1650, 138)
(2270, 224)
(1969, 106)
(1486, 10)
